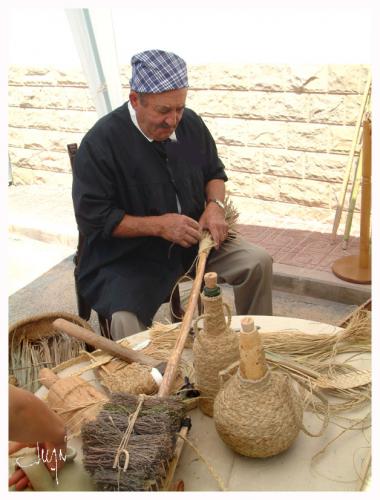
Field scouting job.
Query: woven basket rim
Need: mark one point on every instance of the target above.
(46, 316)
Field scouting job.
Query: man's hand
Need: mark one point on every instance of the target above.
(213, 220)
(179, 229)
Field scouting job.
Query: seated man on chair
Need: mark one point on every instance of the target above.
(147, 180)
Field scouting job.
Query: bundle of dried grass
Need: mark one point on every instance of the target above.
(356, 338)
(162, 339)
(346, 386)
(316, 360)
(133, 378)
(150, 423)
(34, 343)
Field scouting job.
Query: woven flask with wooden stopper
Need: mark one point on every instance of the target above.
(257, 412)
(215, 347)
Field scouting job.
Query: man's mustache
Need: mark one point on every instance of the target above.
(165, 126)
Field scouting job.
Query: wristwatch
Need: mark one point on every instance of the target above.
(218, 202)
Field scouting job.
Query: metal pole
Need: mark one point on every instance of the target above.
(93, 34)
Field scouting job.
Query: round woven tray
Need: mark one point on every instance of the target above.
(32, 330)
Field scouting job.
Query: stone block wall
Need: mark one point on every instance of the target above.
(283, 131)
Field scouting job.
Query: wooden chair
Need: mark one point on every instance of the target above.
(84, 309)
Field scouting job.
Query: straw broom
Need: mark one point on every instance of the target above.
(118, 452)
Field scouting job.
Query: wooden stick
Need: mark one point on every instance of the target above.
(357, 268)
(366, 195)
(355, 187)
(105, 344)
(174, 462)
(176, 353)
(339, 210)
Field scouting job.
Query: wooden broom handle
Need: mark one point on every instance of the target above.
(104, 344)
(176, 353)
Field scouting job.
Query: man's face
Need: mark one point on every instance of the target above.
(159, 114)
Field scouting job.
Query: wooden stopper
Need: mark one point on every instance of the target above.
(211, 280)
(248, 325)
(252, 358)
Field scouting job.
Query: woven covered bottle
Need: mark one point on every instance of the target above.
(257, 412)
(215, 347)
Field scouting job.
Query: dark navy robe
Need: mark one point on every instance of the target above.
(118, 171)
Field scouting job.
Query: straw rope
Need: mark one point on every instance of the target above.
(210, 468)
(122, 449)
(318, 455)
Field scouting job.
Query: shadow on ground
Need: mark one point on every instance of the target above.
(54, 291)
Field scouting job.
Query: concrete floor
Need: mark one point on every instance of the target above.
(29, 258)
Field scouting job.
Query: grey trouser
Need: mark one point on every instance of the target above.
(246, 267)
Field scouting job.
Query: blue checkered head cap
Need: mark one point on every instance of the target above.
(155, 71)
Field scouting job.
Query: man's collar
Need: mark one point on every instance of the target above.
(132, 112)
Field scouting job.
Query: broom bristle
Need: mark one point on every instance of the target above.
(150, 446)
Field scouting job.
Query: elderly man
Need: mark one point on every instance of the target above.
(147, 180)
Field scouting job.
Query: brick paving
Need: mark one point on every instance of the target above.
(300, 248)
(54, 222)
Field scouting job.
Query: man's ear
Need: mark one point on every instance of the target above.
(133, 98)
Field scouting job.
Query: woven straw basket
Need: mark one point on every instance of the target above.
(34, 343)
